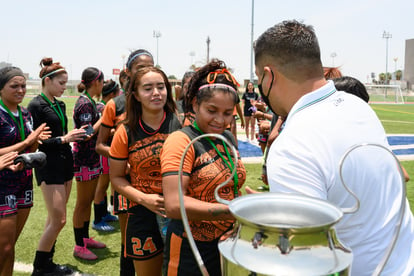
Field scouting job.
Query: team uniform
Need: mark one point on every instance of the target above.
(206, 170)
(189, 118)
(142, 150)
(333, 122)
(16, 188)
(87, 165)
(59, 166)
(100, 106)
(247, 97)
(113, 114)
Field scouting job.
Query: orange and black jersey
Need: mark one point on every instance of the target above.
(143, 153)
(206, 170)
(114, 112)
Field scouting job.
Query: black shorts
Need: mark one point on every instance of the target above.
(58, 169)
(179, 258)
(142, 238)
(247, 112)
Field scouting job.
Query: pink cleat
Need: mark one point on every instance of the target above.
(91, 243)
(84, 253)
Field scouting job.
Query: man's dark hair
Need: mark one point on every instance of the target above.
(293, 48)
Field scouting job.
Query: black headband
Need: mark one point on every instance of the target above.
(8, 73)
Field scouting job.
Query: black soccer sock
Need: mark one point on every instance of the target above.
(126, 267)
(86, 229)
(106, 205)
(99, 210)
(51, 254)
(41, 260)
(79, 236)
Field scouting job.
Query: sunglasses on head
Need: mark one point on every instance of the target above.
(211, 77)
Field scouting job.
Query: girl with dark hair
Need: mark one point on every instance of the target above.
(249, 100)
(113, 115)
(212, 94)
(100, 205)
(16, 182)
(87, 163)
(54, 179)
(150, 118)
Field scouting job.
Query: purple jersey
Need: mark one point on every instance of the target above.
(85, 113)
(10, 135)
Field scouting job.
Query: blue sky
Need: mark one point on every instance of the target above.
(100, 32)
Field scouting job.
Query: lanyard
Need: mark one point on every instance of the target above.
(90, 98)
(20, 126)
(58, 111)
(230, 166)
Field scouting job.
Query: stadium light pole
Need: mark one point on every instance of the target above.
(333, 56)
(387, 36)
(157, 35)
(395, 69)
(251, 45)
(208, 49)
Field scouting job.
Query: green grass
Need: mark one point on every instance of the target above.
(396, 118)
(401, 116)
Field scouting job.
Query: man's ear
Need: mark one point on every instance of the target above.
(268, 71)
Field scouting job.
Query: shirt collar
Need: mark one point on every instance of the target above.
(312, 98)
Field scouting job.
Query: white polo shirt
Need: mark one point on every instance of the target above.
(305, 159)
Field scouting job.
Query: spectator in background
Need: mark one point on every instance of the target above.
(181, 92)
(249, 99)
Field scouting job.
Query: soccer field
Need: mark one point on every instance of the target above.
(397, 119)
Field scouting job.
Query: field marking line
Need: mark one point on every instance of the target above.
(396, 111)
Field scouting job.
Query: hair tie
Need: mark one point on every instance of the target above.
(53, 72)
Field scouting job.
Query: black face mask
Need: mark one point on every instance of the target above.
(266, 98)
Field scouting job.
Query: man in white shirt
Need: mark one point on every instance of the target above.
(321, 125)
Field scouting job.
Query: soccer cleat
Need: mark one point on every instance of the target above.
(103, 227)
(109, 218)
(91, 243)
(84, 253)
